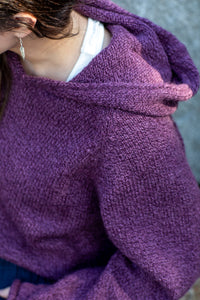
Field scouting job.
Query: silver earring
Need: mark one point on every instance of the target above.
(22, 50)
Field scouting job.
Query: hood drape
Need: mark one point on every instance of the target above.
(145, 69)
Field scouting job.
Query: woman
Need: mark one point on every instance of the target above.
(97, 198)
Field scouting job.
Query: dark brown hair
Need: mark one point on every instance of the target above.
(53, 17)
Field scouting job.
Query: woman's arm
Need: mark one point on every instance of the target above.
(150, 207)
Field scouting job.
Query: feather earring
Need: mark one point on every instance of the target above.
(22, 50)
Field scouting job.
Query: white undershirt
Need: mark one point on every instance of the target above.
(92, 45)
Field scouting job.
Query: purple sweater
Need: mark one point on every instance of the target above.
(95, 189)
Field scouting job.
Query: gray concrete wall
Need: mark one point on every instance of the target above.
(182, 18)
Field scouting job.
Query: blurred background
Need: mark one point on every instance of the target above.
(182, 18)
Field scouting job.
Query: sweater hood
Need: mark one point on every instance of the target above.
(144, 70)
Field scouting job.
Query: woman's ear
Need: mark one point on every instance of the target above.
(28, 20)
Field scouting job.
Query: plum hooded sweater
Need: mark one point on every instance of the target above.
(96, 193)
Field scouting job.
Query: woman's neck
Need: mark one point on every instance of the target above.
(54, 59)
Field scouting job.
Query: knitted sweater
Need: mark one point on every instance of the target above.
(95, 189)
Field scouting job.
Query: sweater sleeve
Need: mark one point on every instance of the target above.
(150, 207)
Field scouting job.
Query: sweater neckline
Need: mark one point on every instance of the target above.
(14, 61)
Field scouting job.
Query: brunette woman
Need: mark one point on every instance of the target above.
(97, 200)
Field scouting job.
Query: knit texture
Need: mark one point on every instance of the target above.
(95, 189)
